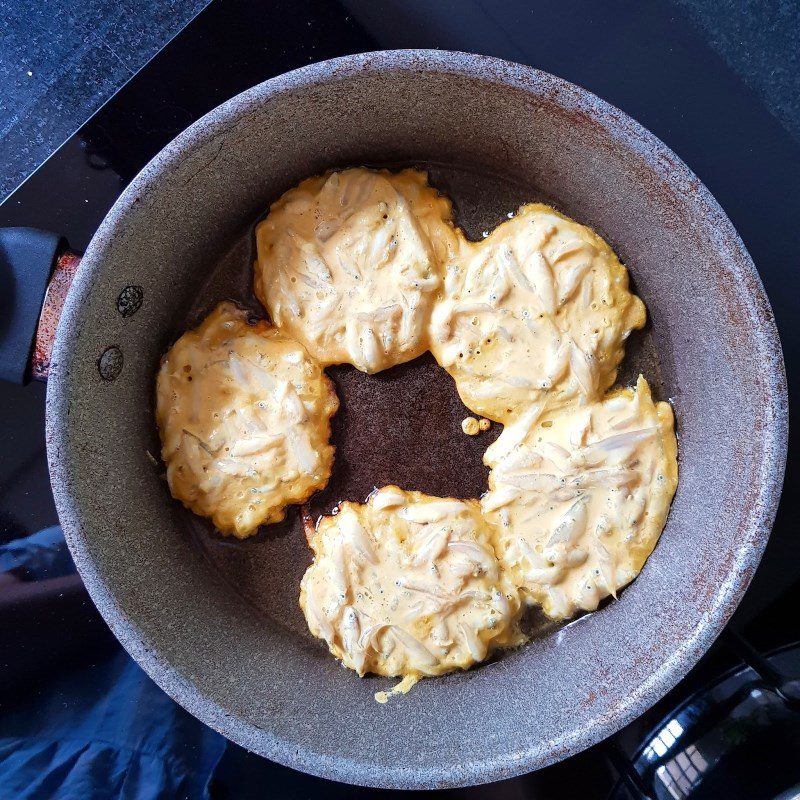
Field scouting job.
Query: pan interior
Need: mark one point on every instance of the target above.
(401, 426)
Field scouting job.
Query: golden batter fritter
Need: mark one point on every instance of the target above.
(349, 263)
(408, 584)
(244, 417)
(580, 496)
(539, 309)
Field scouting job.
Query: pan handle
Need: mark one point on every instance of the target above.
(36, 271)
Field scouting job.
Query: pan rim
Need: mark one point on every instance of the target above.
(759, 517)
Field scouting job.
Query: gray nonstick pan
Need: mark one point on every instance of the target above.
(216, 622)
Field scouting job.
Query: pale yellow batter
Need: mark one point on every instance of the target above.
(365, 267)
(538, 310)
(580, 496)
(408, 584)
(350, 264)
(244, 417)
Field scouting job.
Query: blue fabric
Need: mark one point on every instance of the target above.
(39, 556)
(106, 732)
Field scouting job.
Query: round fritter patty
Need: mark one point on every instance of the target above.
(409, 585)
(244, 417)
(579, 497)
(540, 308)
(349, 263)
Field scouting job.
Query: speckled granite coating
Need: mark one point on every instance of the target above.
(251, 673)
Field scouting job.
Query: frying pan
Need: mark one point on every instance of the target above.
(215, 622)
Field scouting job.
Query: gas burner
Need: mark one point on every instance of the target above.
(737, 737)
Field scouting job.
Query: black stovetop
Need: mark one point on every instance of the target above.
(645, 58)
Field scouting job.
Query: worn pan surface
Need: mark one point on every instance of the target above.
(215, 622)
